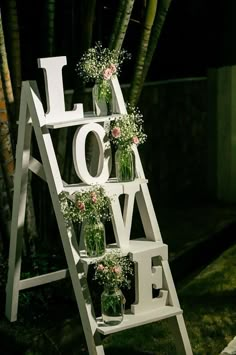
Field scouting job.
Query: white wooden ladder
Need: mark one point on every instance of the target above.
(149, 253)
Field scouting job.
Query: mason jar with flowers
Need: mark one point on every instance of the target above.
(113, 272)
(91, 208)
(98, 65)
(125, 132)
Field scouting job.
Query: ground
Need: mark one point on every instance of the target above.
(202, 259)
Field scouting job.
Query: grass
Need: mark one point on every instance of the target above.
(208, 301)
(209, 304)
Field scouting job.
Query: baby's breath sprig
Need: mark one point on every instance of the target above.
(99, 64)
(83, 205)
(127, 129)
(114, 270)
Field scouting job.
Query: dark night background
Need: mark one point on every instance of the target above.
(177, 158)
(197, 34)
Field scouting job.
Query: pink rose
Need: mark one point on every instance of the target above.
(113, 68)
(116, 132)
(100, 267)
(94, 197)
(135, 140)
(116, 269)
(81, 206)
(107, 73)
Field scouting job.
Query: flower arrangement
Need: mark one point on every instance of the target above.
(98, 65)
(92, 207)
(91, 204)
(113, 271)
(127, 129)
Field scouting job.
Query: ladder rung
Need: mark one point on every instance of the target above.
(43, 279)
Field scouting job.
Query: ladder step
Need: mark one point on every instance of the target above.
(134, 320)
(135, 246)
(71, 188)
(140, 245)
(88, 118)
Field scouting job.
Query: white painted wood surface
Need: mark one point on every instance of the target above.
(79, 156)
(52, 70)
(149, 253)
(18, 212)
(131, 321)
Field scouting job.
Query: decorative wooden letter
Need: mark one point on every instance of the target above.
(79, 156)
(122, 221)
(147, 277)
(52, 68)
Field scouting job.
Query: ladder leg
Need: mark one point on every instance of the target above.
(80, 287)
(176, 323)
(81, 290)
(18, 217)
(87, 315)
(178, 328)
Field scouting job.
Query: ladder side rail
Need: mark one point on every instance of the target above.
(68, 239)
(168, 283)
(144, 201)
(117, 95)
(77, 274)
(178, 328)
(176, 323)
(152, 232)
(19, 207)
(147, 214)
(44, 140)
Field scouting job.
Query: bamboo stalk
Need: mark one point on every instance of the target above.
(142, 51)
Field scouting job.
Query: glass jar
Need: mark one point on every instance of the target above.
(112, 306)
(102, 98)
(94, 237)
(125, 164)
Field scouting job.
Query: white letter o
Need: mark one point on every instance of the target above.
(79, 156)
